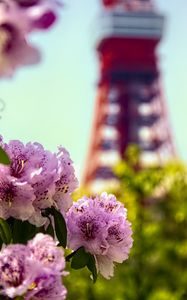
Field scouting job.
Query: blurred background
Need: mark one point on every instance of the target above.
(53, 102)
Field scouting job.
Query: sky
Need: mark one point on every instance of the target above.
(52, 103)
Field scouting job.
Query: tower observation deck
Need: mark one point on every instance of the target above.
(130, 107)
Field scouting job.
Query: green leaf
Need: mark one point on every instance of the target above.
(23, 231)
(4, 158)
(50, 230)
(5, 232)
(60, 227)
(80, 259)
(1, 296)
(70, 256)
(91, 265)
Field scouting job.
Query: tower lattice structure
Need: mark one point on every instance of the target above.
(130, 107)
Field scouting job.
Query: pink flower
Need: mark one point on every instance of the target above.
(16, 198)
(42, 13)
(45, 250)
(48, 287)
(15, 51)
(66, 183)
(16, 272)
(17, 20)
(49, 180)
(99, 225)
(34, 271)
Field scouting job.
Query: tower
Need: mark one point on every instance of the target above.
(130, 107)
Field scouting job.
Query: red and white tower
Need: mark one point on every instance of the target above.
(130, 107)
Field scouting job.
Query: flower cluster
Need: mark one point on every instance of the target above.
(36, 186)
(35, 180)
(34, 270)
(17, 20)
(100, 226)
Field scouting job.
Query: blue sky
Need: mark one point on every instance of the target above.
(52, 103)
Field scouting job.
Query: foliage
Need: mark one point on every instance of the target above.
(4, 159)
(156, 199)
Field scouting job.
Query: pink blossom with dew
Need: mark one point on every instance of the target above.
(49, 176)
(100, 225)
